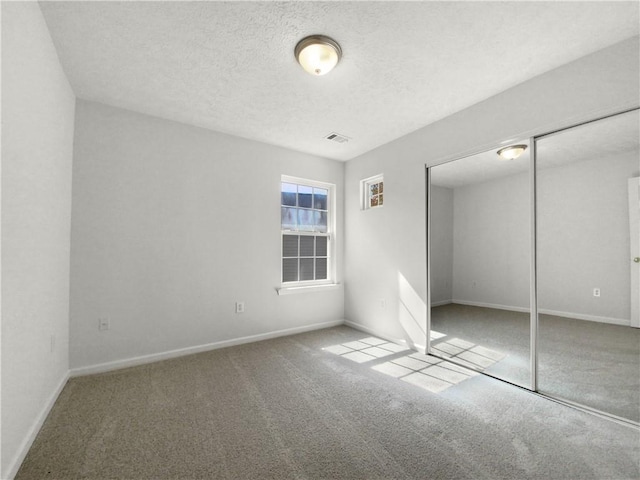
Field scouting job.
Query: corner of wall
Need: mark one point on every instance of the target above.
(38, 127)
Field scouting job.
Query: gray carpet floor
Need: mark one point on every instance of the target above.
(594, 364)
(334, 403)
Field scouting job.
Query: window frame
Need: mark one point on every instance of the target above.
(365, 191)
(330, 235)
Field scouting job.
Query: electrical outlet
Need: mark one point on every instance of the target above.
(239, 307)
(383, 303)
(103, 324)
(596, 292)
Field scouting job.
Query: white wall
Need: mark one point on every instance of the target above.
(583, 237)
(173, 224)
(492, 242)
(37, 138)
(386, 246)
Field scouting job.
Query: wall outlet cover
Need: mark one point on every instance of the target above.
(103, 324)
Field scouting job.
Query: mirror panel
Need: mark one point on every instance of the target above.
(480, 243)
(588, 352)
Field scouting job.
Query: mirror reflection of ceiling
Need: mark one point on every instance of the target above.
(611, 136)
(478, 168)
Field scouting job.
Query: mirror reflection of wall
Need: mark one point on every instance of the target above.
(588, 353)
(588, 284)
(480, 264)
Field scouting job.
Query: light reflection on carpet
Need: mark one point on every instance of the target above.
(468, 354)
(427, 372)
(366, 349)
(436, 335)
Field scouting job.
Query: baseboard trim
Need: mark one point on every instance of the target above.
(589, 318)
(491, 305)
(441, 303)
(544, 311)
(371, 331)
(35, 429)
(156, 357)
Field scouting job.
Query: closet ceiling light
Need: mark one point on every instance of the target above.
(318, 54)
(511, 152)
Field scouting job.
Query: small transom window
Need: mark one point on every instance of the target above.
(373, 192)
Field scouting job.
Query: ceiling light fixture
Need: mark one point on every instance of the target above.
(511, 152)
(318, 54)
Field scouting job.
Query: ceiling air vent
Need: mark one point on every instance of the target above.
(336, 137)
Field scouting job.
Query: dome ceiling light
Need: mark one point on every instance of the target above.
(511, 152)
(318, 54)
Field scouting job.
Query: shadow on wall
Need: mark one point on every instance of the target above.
(412, 315)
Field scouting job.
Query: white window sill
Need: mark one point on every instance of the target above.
(308, 289)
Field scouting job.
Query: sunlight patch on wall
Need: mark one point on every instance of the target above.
(412, 313)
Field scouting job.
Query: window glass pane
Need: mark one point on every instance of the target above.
(321, 268)
(288, 218)
(305, 195)
(372, 189)
(290, 245)
(320, 221)
(320, 198)
(289, 194)
(321, 246)
(305, 220)
(306, 269)
(380, 199)
(305, 214)
(290, 270)
(306, 246)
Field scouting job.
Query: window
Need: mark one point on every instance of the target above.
(306, 224)
(372, 192)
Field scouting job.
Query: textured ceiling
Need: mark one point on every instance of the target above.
(608, 137)
(229, 66)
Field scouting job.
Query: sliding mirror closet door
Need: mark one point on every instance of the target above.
(479, 264)
(589, 350)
